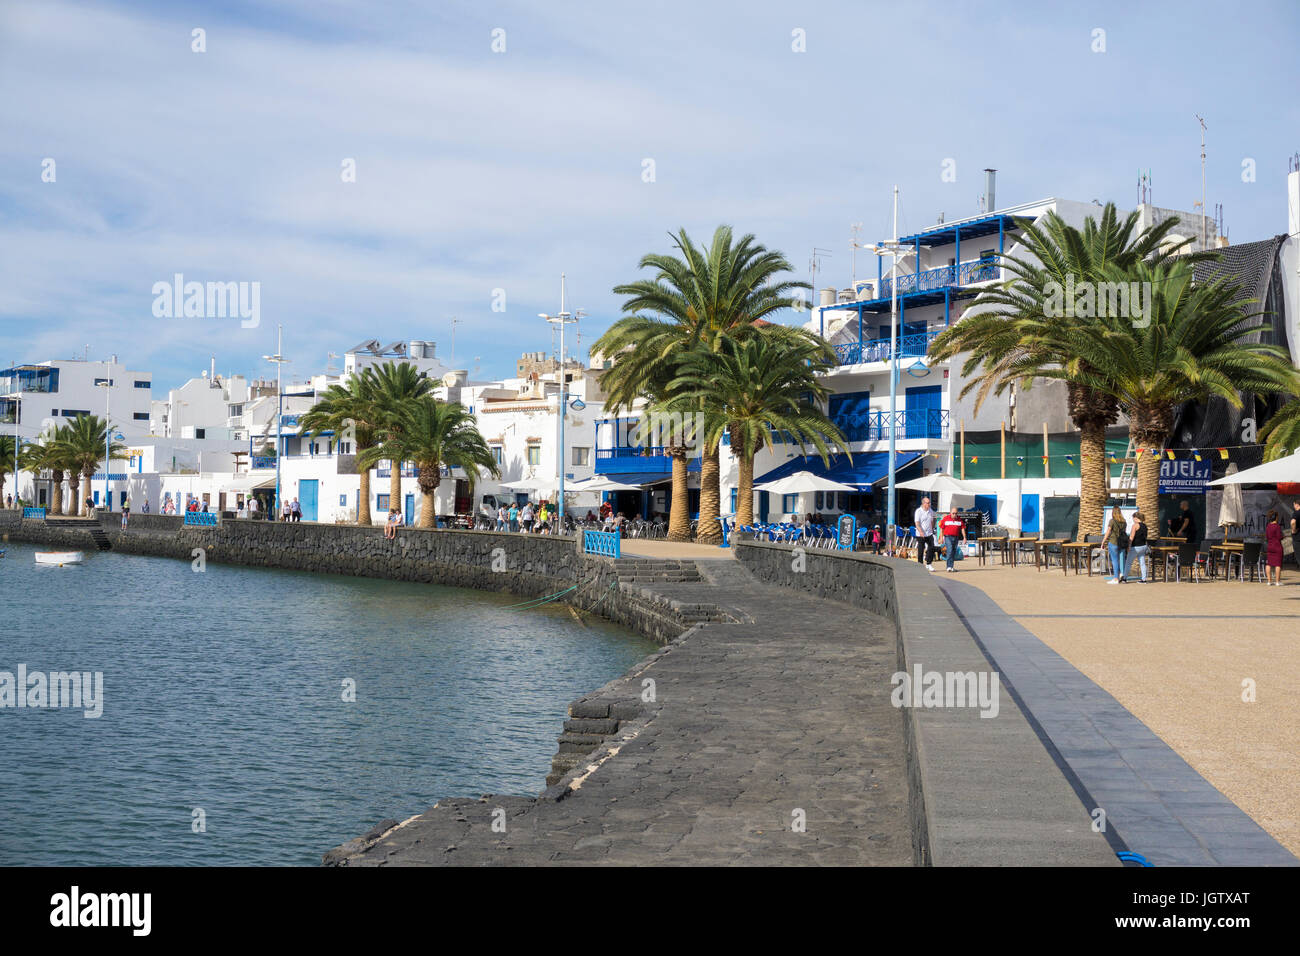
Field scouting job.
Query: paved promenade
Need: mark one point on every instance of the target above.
(1139, 689)
(756, 733)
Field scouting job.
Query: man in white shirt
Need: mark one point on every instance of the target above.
(923, 519)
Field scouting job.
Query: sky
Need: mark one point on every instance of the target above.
(498, 145)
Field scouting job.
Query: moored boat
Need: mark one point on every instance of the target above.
(60, 558)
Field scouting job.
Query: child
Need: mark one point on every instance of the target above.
(877, 540)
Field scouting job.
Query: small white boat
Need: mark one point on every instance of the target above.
(60, 558)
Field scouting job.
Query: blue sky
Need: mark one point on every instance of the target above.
(479, 171)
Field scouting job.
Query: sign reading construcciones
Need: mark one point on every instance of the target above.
(1184, 476)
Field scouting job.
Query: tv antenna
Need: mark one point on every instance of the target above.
(1203, 209)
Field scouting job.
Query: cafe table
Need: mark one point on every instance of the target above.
(1224, 550)
(1040, 553)
(1163, 550)
(1014, 545)
(992, 540)
(1079, 551)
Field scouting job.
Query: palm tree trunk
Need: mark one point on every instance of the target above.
(1149, 438)
(56, 493)
(429, 494)
(427, 502)
(679, 517)
(363, 498)
(73, 485)
(1094, 478)
(87, 475)
(745, 493)
(395, 486)
(709, 530)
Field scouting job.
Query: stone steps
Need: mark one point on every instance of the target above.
(656, 571)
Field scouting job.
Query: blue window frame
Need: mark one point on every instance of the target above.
(141, 416)
(733, 500)
(142, 384)
(789, 503)
(381, 503)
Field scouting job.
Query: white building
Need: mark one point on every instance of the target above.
(38, 396)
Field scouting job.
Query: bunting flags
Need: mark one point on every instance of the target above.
(1196, 454)
(1170, 453)
(1223, 453)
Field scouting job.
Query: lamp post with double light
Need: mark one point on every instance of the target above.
(562, 319)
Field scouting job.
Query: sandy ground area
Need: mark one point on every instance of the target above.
(1176, 655)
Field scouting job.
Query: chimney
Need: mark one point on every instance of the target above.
(990, 190)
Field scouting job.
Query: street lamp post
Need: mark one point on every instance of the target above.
(562, 319)
(894, 251)
(106, 385)
(279, 361)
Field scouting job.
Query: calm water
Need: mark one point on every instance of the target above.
(223, 691)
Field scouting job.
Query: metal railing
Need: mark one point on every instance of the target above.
(641, 451)
(907, 423)
(932, 280)
(262, 461)
(38, 513)
(606, 543)
(877, 350)
(200, 519)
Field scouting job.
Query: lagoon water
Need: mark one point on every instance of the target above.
(223, 693)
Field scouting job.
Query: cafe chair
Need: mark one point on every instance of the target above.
(1184, 557)
(1249, 558)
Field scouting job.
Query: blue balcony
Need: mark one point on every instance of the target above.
(936, 280)
(624, 460)
(907, 423)
(877, 350)
(263, 461)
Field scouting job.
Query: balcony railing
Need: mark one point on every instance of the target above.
(646, 451)
(263, 461)
(931, 280)
(907, 423)
(877, 350)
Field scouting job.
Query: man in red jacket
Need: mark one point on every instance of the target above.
(951, 527)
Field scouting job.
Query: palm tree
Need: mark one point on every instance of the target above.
(395, 387)
(432, 434)
(8, 462)
(1192, 344)
(81, 446)
(1016, 332)
(757, 385)
(692, 300)
(38, 458)
(1281, 434)
(348, 406)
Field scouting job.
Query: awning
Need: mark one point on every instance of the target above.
(265, 486)
(865, 469)
(642, 478)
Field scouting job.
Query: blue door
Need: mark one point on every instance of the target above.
(762, 507)
(409, 510)
(924, 405)
(1029, 514)
(308, 489)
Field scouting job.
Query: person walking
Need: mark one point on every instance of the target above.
(1273, 546)
(252, 506)
(923, 518)
(877, 539)
(1295, 531)
(503, 518)
(526, 517)
(514, 517)
(1117, 543)
(126, 511)
(951, 527)
(295, 510)
(1138, 547)
(145, 509)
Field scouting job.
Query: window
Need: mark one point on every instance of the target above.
(818, 500)
(104, 381)
(790, 504)
(141, 416)
(200, 433)
(498, 454)
(139, 383)
(381, 502)
(345, 448)
(534, 454)
(733, 500)
(74, 412)
(581, 455)
(234, 411)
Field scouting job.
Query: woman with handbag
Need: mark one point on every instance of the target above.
(1117, 543)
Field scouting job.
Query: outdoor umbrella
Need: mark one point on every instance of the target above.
(1232, 510)
(801, 482)
(1270, 473)
(939, 481)
(601, 483)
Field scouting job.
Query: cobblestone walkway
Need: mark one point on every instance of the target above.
(768, 743)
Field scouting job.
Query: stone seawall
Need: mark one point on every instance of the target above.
(983, 791)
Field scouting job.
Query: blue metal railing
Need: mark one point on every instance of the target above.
(907, 423)
(877, 350)
(932, 280)
(201, 519)
(34, 513)
(605, 543)
(263, 461)
(645, 451)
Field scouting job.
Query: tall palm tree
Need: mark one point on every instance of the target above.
(1193, 344)
(8, 462)
(1013, 331)
(348, 406)
(432, 434)
(82, 446)
(38, 458)
(757, 385)
(57, 463)
(396, 387)
(694, 299)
